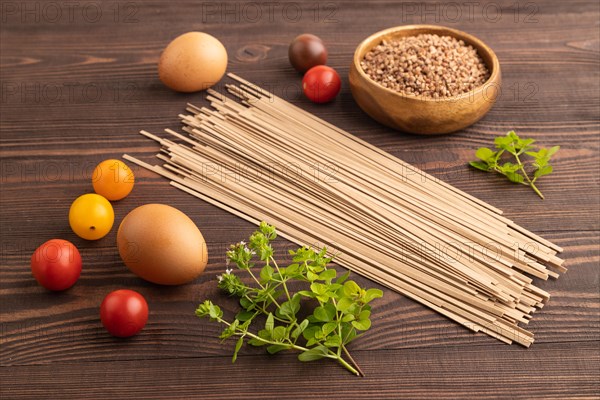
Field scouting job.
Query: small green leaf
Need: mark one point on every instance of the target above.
(513, 136)
(509, 147)
(315, 267)
(362, 325)
(270, 324)
(327, 275)
(344, 303)
(327, 312)
(256, 342)
(515, 177)
(342, 278)
(279, 333)
(497, 157)
(312, 276)
(296, 298)
(266, 273)
(526, 142)
(202, 309)
(502, 140)
(238, 346)
(316, 353)
(484, 154)
(226, 333)
(309, 332)
(268, 231)
(545, 170)
(299, 329)
(245, 303)
(505, 143)
(288, 309)
(264, 334)
(509, 167)
(306, 293)
(534, 154)
(323, 298)
(372, 294)
(348, 333)
(292, 270)
(321, 314)
(244, 315)
(214, 311)
(333, 341)
(333, 287)
(541, 162)
(480, 165)
(319, 288)
(553, 150)
(543, 153)
(311, 318)
(328, 328)
(275, 348)
(348, 318)
(351, 289)
(523, 145)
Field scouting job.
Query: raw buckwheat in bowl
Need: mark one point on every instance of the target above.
(424, 79)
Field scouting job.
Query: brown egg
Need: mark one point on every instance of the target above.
(161, 244)
(307, 51)
(193, 61)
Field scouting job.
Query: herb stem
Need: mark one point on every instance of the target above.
(339, 327)
(356, 371)
(527, 177)
(264, 310)
(262, 287)
(242, 332)
(360, 372)
(536, 190)
(287, 293)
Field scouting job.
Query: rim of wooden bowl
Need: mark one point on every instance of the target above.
(372, 41)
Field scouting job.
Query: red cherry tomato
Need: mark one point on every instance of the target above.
(56, 264)
(321, 84)
(124, 312)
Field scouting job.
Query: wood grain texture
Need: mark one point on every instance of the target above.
(452, 372)
(76, 92)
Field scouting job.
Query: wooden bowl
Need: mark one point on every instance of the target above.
(419, 114)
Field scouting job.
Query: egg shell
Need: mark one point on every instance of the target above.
(193, 61)
(162, 245)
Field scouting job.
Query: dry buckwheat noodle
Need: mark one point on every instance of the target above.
(262, 158)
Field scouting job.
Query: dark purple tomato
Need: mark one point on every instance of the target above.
(307, 51)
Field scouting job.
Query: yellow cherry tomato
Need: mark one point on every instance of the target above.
(113, 179)
(91, 216)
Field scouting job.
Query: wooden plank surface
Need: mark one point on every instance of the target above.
(77, 89)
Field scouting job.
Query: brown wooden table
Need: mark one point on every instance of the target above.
(79, 81)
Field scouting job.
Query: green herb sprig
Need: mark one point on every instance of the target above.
(342, 312)
(539, 165)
